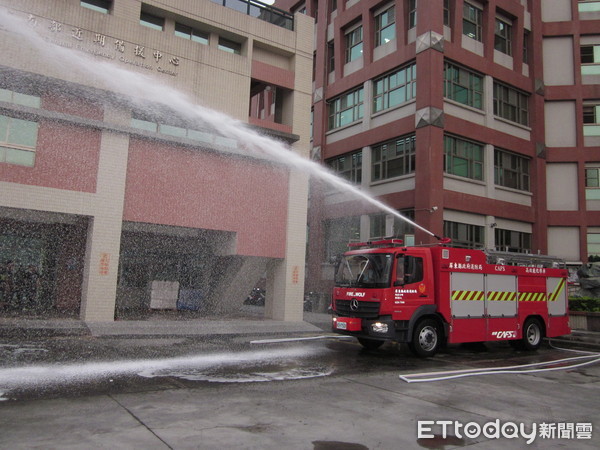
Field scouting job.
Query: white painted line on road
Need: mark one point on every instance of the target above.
(312, 338)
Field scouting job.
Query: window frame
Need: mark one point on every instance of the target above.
(412, 13)
(403, 158)
(193, 35)
(152, 21)
(513, 173)
(353, 40)
(452, 86)
(457, 148)
(512, 241)
(384, 97)
(340, 105)
(474, 234)
(390, 26)
(353, 173)
(102, 6)
(506, 108)
(474, 18)
(503, 40)
(229, 46)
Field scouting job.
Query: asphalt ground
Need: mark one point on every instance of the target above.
(294, 388)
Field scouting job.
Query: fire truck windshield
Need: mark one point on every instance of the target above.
(371, 270)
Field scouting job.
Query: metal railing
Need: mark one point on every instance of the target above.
(261, 11)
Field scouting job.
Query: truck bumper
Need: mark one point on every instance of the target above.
(378, 329)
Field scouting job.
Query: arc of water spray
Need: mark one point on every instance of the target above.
(140, 88)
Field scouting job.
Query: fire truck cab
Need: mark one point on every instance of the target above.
(426, 296)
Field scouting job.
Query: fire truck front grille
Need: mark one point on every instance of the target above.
(355, 308)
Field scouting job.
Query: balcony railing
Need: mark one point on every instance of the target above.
(261, 11)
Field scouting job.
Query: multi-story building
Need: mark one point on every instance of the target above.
(121, 186)
(477, 119)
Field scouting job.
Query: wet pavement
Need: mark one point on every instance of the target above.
(301, 389)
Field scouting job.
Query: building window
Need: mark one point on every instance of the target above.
(592, 183)
(591, 120)
(463, 86)
(590, 59)
(589, 6)
(463, 158)
(503, 37)
(330, 57)
(512, 241)
(511, 170)
(6, 95)
(447, 13)
(354, 43)
(377, 226)
(412, 14)
(348, 166)
(395, 88)
(593, 244)
(18, 140)
(511, 104)
(230, 46)
(346, 109)
(102, 6)
(394, 158)
(472, 21)
(152, 21)
(464, 235)
(185, 32)
(385, 26)
(526, 47)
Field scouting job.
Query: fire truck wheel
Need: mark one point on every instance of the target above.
(370, 344)
(426, 338)
(532, 334)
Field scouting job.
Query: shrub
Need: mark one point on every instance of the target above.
(584, 304)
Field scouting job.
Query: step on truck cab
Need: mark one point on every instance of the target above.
(425, 296)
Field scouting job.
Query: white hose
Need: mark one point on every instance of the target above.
(450, 375)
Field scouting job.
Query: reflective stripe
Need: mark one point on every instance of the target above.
(467, 295)
(532, 296)
(557, 291)
(502, 296)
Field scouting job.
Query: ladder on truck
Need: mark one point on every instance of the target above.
(523, 259)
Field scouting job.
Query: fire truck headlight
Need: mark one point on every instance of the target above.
(379, 327)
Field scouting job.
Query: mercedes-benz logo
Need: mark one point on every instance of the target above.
(354, 305)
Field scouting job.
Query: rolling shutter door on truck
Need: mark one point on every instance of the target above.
(501, 295)
(467, 294)
(557, 296)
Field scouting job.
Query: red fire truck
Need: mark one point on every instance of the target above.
(426, 296)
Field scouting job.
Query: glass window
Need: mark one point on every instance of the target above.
(464, 235)
(33, 101)
(102, 6)
(590, 59)
(512, 241)
(348, 166)
(526, 47)
(354, 44)
(385, 26)
(592, 183)
(447, 13)
(230, 46)
(472, 21)
(395, 88)
(346, 109)
(330, 56)
(394, 158)
(511, 104)
(18, 140)
(152, 21)
(593, 244)
(511, 170)
(412, 13)
(503, 37)
(463, 158)
(463, 86)
(183, 31)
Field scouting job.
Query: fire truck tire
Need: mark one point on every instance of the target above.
(532, 334)
(426, 338)
(370, 344)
